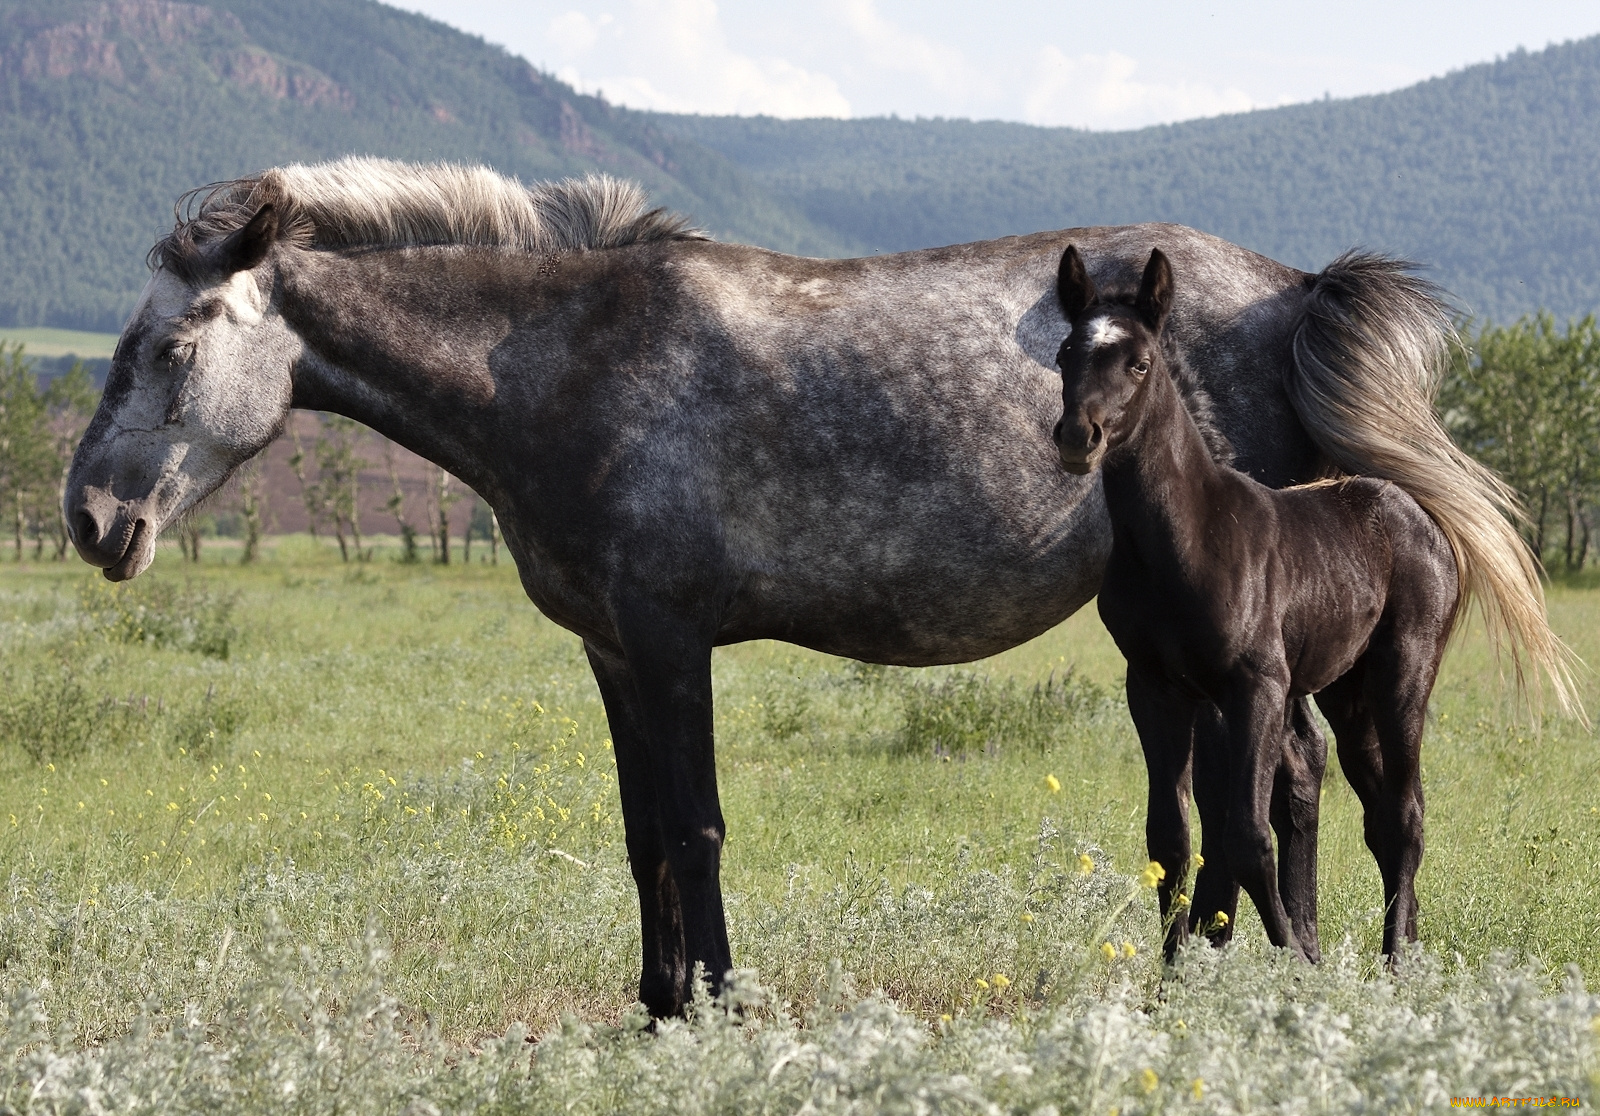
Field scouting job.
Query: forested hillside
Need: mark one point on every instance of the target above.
(109, 109)
(1491, 173)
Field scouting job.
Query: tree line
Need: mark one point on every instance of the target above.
(40, 425)
(1522, 398)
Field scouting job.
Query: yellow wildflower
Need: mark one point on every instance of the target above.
(1181, 902)
(1128, 949)
(1108, 951)
(1153, 874)
(1148, 1080)
(945, 1018)
(1198, 1088)
(1052, 784)
(1001, 980)
(1027, 916)
(1198, 861)
(983, 985)
(1085, 864)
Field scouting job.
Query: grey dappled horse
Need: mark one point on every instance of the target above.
(690, 443)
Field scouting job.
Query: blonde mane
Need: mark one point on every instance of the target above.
(380, 203)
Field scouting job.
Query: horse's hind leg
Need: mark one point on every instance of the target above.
(1165, 721)
(658, 703)
(1362, 757)
(1296, 803)
(1400, 678)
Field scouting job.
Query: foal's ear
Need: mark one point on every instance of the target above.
(245, 248)
(1155, 291)
(1073, 286)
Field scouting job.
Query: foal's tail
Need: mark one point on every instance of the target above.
(1369, 353)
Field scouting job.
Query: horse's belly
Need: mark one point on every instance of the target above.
(918, 599)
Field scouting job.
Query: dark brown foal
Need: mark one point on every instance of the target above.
(1224, 593)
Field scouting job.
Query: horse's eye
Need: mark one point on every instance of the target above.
(175, 352)
(1141, 368)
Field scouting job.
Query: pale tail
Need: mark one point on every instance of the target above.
(1368, 356)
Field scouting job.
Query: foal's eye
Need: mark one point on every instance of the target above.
(1141, 368)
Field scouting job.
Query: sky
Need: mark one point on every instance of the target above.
(1109, 64)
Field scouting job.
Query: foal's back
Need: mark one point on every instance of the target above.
(1341, 561)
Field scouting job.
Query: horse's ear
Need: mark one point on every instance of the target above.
(1155, 291)
(1073, 286)
(247, 247)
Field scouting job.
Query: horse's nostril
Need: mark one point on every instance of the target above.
(85, 530)
(1095, 435)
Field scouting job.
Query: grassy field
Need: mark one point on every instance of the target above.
(315, 837)
(42, 341)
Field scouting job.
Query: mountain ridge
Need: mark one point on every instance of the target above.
(110, 109)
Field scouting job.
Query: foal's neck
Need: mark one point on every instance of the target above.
(1160, 480)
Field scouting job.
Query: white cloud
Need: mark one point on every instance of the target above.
(674, 56)
(893, 48)
(1100, 91)
(574, 32)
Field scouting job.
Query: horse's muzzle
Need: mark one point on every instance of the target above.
(110, 534)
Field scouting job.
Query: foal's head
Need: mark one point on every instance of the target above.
(200, 382)
(1107, 359)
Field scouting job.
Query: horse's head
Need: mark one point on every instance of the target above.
(199, 384)
(1107, 358)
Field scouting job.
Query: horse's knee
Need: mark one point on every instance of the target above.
(695, 851)
(1250, 853)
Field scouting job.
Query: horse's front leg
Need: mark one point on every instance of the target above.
(1165, 720)
(1254, 711)
(666, 772)
(1296, 806)
(665, 972)
(1216, 892)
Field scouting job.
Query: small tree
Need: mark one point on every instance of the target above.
(339, 479)
(397, 507)
(252, 496)
(69, 403)
(28, 461)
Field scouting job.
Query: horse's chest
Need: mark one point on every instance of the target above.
(1162, 633)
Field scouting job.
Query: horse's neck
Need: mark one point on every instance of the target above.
(1158, 482)
(382, 353)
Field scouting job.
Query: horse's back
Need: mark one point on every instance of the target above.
(855, 455)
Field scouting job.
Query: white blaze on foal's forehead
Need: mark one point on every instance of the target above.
(1103, 331)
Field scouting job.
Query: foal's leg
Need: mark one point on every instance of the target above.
(1296, 803)
(1400, 677)
(1165, 721)
(1254, 710)
(1361, 757)
(1216, 892)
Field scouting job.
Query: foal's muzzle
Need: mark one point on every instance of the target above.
(1080, 449)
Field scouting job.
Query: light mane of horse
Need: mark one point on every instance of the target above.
(366, 202)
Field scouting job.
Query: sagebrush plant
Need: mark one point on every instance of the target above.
(353, 866)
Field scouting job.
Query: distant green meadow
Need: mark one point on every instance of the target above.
(42, 341)
(308, 836)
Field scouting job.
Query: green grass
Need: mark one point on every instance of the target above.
(45, 342)
(391, 786)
